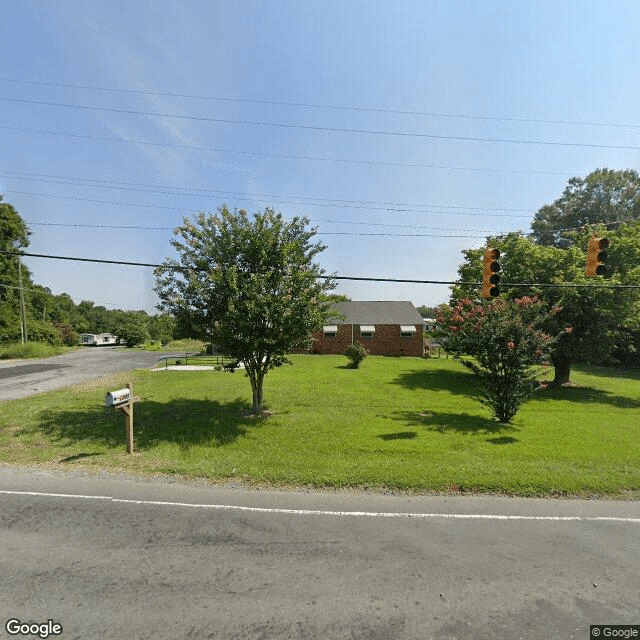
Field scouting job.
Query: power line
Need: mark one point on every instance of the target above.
(484, 232)
(288, 125)
(377, 224)
(325, 233)
(323, 106)
(167, 190)
(283, 156)
(335, 277)
(175, 208)
(328, 202)
(46, 291)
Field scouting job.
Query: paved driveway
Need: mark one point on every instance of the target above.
(22, 378)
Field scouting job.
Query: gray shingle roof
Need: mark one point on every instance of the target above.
(380, 312)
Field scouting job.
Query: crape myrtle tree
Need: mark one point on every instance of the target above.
(500, 342)
(250, 286)
(587, 321)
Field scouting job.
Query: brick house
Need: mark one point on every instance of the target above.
(384, 328)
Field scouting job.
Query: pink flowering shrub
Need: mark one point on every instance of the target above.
(500, 342)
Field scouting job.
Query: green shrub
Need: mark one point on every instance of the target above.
(68, 334)
(153, 345)
(29, 350)
(356, 354)
(39, 331)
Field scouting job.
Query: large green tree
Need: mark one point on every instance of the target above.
(605, 196)
(587, 320)
(14, 236)
(132, 327)
(248, 285)
(427, 312)
(162, 327)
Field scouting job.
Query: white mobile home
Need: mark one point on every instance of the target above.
(98, 339)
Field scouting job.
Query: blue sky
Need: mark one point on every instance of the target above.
(431, 74)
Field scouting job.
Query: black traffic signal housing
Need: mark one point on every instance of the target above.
(596, 255)
(490, 277)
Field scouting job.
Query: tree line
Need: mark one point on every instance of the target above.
(55, 318)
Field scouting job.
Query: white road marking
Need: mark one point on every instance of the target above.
(318, 512)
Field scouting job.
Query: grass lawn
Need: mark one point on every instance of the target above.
(395, 423)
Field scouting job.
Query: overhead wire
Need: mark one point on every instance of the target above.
(325, 233)
(327, 202)
(175, 208)
(335, 277)
(484, 233)
(44, 290)
(322, 106)
(165, 228)
(410, 134)
(171, 190)
(284, 156)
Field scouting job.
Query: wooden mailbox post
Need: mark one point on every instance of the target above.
(123, 400)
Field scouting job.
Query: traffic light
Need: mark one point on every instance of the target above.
(596, 255)
(490, 277)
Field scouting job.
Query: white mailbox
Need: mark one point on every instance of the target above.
(115, 398)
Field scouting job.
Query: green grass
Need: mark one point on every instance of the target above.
(30, 350)
(200, 360)
(184, 345)
(396, 423)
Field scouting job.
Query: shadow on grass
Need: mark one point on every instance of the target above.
(608, 372)
(79, 456)
(403, 435)
(457, 422)
(587, 395)
(502, 440)
(464, 383)
(185, 422)
(458, 382)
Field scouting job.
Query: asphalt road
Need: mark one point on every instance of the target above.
(114, 557)
(22, 378)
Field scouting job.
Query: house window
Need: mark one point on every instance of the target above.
(330, 331)
(407, 331)
(367, 330)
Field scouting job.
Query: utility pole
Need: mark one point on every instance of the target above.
(23, 315)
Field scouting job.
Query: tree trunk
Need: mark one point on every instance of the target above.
(257, 397)
(562, 366)
(257, 378)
